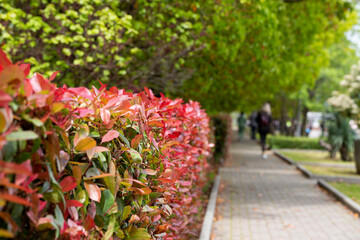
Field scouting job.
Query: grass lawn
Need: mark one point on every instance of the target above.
(313, 156)
(350, 190)
(332, 171)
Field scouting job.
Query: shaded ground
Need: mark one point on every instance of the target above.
(267, 199)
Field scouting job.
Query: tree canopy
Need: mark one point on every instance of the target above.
(226, 54)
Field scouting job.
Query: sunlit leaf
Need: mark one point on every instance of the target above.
(149, 171)
(93, 190)
(21, 135)
(6, 234)
(110, 135)
(85, 144)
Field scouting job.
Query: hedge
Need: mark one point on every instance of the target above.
(93, 163)
(279, 141)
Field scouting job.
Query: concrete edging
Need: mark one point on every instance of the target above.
(310, 175)
(286, 159)
(305, 172)
(210, 211)
(340, 196)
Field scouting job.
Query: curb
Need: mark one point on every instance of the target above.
(340, 196)
(306, 172)
(337, 179)
(310, 175)
(210, 211)
(286, 159)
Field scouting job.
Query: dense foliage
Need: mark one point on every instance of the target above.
(221, 124)
(313, 97)
(129, 43)
(233, 50)
(95, 163)
(279, 141)
(341, 137)
(260, 50)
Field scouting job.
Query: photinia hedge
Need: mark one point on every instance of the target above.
(79, 163)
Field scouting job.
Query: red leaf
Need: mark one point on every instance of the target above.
(52, 77)
(68, 184)
(88, 223)
(93, 191)
(27, 88)
(13, 75)
(82, 92)
(39, 83)
(73, 203)
(135, 141)
(101, 149)
(110, 135)
(4, 61)
(166, 180)
(15, 199)
(185, 183)
(112, 102)
(105, 115)
(26, 68)
(149, 171)
(4, 99)
(10, 168)
(5, 182)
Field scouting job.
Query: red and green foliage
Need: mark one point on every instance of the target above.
(81, 163)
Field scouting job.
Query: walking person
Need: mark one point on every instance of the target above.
(253, 124)
(241, 125)
(264, 120)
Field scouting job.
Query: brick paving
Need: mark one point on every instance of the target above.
(264, 199)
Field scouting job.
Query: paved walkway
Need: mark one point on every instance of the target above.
(265, 199)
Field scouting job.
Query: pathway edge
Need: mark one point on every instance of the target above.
(286, 159)
(340, 196)
(310, 175)
(210, 211)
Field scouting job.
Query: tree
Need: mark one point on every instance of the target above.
(222, 53)
(129, 43)
(260, 49)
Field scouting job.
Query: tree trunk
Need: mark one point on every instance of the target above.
(357, 155)
(304, 120)
(283, 120)
(344, 152)
(332, 154)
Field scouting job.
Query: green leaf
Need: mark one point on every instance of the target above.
(136, 157)
(124, 139)
(107, 201)
(81, 196)
(139, 234)
(110, 228)
(37, 122)
(126, 212)
(22, 135)
(120, 233)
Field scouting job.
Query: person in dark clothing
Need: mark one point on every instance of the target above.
(253, 124)
(264, 120)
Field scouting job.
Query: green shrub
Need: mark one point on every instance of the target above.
(293, 142)
(221, 125)
(341, 137)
